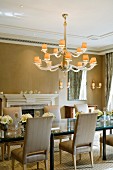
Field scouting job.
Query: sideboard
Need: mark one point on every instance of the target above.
(70, 110)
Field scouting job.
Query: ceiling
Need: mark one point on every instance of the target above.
(38, 21)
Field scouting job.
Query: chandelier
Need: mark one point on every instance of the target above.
(66, 56)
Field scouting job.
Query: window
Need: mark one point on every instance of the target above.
(78, 88)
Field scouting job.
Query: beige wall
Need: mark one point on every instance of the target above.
(17, 72)
(94, 97)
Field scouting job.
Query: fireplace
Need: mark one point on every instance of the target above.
(30, 103)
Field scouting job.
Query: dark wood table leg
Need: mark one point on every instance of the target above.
(110, 131)
(52, 152)
(104, 144)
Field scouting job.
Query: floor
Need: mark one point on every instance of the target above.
(67, 163)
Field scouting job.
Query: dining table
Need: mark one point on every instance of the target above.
(64, 127)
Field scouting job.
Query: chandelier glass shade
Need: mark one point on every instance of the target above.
(66, 56)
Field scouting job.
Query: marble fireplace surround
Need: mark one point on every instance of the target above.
(29, 101)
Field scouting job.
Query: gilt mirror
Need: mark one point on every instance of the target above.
(78, 85)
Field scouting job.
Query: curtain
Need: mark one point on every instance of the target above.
(75, 84)
(108, 78)
(82, 95)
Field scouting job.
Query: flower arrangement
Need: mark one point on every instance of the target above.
(100, 113)
(24, 117)
(6, 119)
(48, 114)
(109, 113)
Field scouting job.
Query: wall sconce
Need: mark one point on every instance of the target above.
(99, 86)
(93, 85)
(61, 84)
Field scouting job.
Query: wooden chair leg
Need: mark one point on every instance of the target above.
(5, 148)
(74, 160)
(22, 145)
(24, 167)
(46, 164)
(80, 156)
(60, 155)
(2, 152)
(70, 137)
(37, 165)
(13, 163)
(8, 152)
(100, 149)
(91, 158)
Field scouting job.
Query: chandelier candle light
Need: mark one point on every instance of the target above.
(63, 52)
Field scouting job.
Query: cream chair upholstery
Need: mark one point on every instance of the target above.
(81, 108)
(109, 141)
(11, 112)
(2, 150)
(83, 137)
(55, 109)
(36, 142)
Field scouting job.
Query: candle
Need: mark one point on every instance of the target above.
(93, 60)
(84, 45)
(55, 50)
(62, 43)
(85, 58)
(79, 64)
(68, 56)
(47, 56)
(79, 50)
(44, 46)
(36, 59)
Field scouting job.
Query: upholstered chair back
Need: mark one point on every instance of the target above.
(81, 108)
(11, 111)
(55, 109)
(84, 129)
(37, 137)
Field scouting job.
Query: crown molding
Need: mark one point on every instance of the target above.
(23, 41)
(26, 36)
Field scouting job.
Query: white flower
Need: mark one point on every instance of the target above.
(25, 117)
(100, 113)
(6, 120)
(48, 114)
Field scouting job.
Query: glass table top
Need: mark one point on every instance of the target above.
(65, 126)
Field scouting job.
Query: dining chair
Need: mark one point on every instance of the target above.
(55, 109)
(81, 108)
(83, 137)
(36, 143)
(109, 141)
(2, 150)
(11, 112)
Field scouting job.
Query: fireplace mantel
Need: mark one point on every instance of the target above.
(29, 99)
